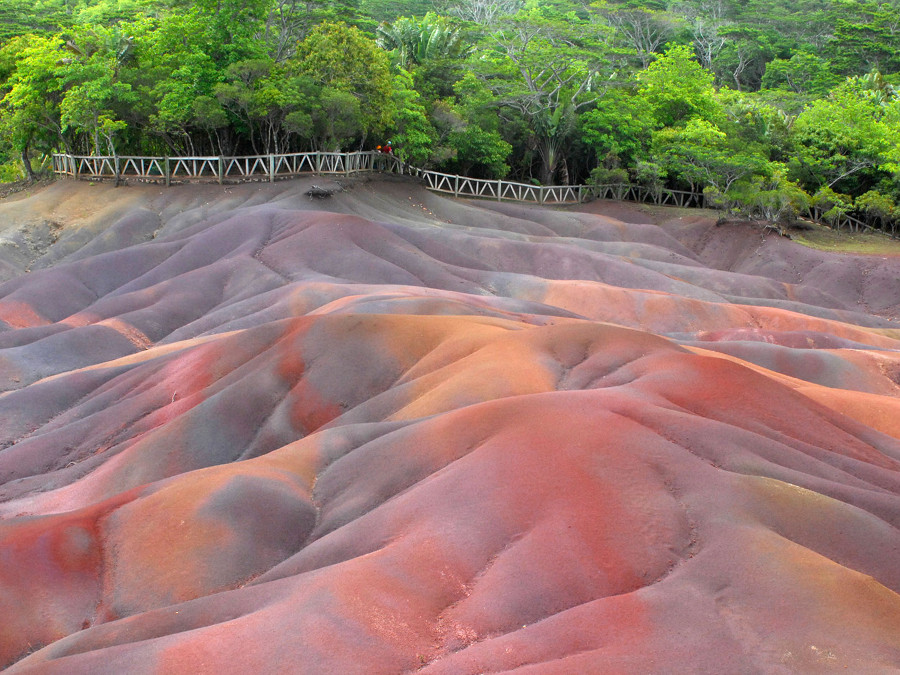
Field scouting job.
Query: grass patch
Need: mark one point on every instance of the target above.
(824, 238)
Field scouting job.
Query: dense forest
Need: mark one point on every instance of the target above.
(768, 107)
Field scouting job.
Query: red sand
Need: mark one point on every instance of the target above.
(405, 433)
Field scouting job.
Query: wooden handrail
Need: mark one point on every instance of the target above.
(269, 167)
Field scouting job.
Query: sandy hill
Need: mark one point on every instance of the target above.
(247, 431)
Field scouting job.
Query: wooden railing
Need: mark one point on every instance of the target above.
(841, 220)
(222, 169)
(273, 167)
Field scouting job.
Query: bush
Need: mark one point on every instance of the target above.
(11, 171)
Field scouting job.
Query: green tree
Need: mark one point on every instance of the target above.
(174, 74)
(803, 73)
(341, 58)
(878, 209)
(621, 124)
(236, 29)
(32, 92)
(844, 142)
(413, 135)
(865, 37)
(265, 96)
(679, 89)
(642, 28)
(702, 155)
(742, 59)
(414, 41)
(771, 196)
(543, 71)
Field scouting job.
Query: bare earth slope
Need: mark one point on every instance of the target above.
(387, 432)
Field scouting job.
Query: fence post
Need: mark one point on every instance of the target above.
(271, 168)
(499, 188)
(456, 186)
(116, 168)
(168, 172)
(221, 171)
(543, 195)
(77, 167)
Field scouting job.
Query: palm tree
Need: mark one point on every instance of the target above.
(414, 41)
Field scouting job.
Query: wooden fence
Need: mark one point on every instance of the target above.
(272, 167)
(223, 169)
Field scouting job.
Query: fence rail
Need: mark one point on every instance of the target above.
(273, 167)
(223, 169)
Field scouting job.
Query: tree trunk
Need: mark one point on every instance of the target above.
(564, 172)
(549, 160)
(26, 162)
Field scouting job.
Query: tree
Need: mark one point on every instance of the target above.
(845, 141)
(414, 41)
(803, 73)
(413, 134)
(742, 59)
(878, 209)
(341, 58)
(678, 88)
(469, 135)
(621, 125)
(264, 95)
(702, 155)
(174, 74)
(643, 30)
(545, 71)
(236, 28)
(290, 21)
(770, 196)
(29, 108)
(486, 13)
(704, 22)
(865, 38)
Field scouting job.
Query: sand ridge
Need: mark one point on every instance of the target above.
(393, 432)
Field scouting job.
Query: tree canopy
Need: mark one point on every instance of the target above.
(761, 105)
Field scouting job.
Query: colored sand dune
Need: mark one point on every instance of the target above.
(390, 432)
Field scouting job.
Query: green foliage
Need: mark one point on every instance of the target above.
(621, 124)
(677, 88)
(388, 10)
(30, 108)
(865, 34)
(10, 172)
(95, 99)
(643, 28)
(262, 95)
(479, 152)
(833, 205)
(803, 73)
(876, 205)
(742, 60)
(772, 197)
(844, 141)
(700, 154)
(603, 175)
(340, 57)
(542, 71)
(553, 91)
(416, 41)
(414, 136)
